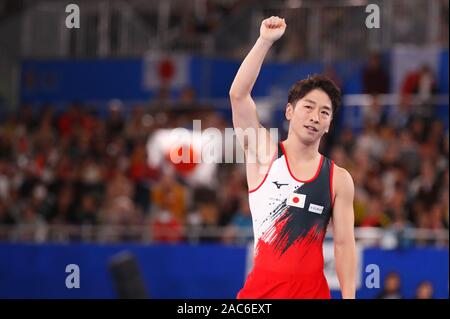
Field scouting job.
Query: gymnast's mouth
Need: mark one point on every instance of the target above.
(311, 128)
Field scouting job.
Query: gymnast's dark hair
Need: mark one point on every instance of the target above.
(316, 81)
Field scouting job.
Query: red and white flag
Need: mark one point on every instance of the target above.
(296, 200)
(162, 70)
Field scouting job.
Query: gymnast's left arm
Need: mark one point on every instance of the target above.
(343, 232)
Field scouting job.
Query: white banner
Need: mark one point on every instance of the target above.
(408, 58)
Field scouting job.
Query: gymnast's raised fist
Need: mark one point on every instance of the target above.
(272, 28)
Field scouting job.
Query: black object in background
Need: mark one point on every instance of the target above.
(127, 276)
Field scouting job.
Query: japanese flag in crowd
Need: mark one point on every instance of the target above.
(165, 70)
(181, 150)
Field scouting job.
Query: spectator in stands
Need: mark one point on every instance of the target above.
(115, 123)
(240, 229)
(369, 140)
(166, 228)
(340, 157)
(27, 118)
(163, 100)
(32, 227)
(5, 178)
(409, 152)
(398, 215)
(375, 79)
(425, 186)
(63, 210)
(375, 215)
(396, 204)
(400, 114)
(443, 196)
(170, 195)
(88, 212)
(361, 195)
(375, 113)
(92, 176)
(142, 175)
(437, 217)
(230, 196)
(5, 216)
(374, 184)
(139, 126)
(118, 207)
(417, 129)
(210, 221)
(69, 120)
(187, 98)
(204, 222)
(424, 290)
(391, 287)
(347, 140)
(421, 82)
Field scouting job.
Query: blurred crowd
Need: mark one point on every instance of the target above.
(392, 288)
(400, 174)
(84, 166)
(80, 168)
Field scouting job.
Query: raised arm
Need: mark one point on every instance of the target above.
(245, 116)
(343, 233)
(271, 30)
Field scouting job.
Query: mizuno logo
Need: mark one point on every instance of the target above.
(279, 185)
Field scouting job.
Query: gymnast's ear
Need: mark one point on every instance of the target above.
(289, 111)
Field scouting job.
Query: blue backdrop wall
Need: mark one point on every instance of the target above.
(182, 271)
(67, 80)
(99, 80)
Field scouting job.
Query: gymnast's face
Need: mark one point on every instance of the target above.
(311, 116)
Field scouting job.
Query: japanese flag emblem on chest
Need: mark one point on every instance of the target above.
(298, 200)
